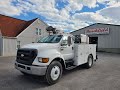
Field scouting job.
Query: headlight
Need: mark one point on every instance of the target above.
(43, 60)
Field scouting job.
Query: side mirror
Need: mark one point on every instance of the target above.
(69, 41)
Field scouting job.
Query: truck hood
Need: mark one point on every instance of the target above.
(40, 46)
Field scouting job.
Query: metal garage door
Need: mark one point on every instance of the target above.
(9, 46)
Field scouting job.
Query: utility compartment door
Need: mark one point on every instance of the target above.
(79, 57)
(87, 52)
(92, 50)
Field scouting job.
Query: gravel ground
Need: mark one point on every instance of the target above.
(104, 75)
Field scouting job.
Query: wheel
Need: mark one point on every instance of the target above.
(89, 62)
(54, 72)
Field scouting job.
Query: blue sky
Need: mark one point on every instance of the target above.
(67, 15)
(60, 5)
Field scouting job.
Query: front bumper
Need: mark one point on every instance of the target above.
(34, 70)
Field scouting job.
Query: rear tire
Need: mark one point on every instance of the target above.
(89, 63)
(54, 72)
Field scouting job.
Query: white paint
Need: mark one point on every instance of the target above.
(79, 53)
(55, 50)
(82, 51)
(29, 34)
(84, 39)
(67, 50)
(9, 46)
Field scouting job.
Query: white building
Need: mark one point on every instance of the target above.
(106, 36)
(16, 33)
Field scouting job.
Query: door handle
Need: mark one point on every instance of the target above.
(61, 49)
(72, 48)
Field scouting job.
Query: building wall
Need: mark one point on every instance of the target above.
(9, 46)
(1, 45)
(29, 34)
(108, 42)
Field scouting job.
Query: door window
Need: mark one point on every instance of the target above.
(65, 41)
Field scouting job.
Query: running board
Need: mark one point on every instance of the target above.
(71, 67)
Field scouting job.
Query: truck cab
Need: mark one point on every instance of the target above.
(53, 54)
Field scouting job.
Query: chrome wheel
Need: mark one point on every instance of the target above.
(55, 73)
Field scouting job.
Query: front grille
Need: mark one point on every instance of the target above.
(21, 66)
(26, 56)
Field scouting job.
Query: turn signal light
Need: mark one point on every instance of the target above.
(45, 60)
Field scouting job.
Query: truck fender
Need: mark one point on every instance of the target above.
(60, 60)
(52, 54)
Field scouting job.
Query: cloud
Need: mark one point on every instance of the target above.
(108, 2)
(74, 6)
(91, 17)
(62, 18)
(89, 3)
(8, 8)
(109, 15)
(69, 25)
(112, 12)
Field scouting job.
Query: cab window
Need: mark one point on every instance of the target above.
(64, 41)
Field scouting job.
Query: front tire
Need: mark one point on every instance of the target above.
(54, 72)
(89, 63)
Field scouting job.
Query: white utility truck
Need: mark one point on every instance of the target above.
(53, 54)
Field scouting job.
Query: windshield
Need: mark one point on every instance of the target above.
(50, 39)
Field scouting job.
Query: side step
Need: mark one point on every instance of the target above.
(69, 61)
(69, 64)
(71, 67)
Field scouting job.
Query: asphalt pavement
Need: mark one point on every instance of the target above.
(104, 75)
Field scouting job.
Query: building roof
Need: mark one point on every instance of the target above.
(12, 27)
(95, 24)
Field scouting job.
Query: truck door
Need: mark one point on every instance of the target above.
(67, 49)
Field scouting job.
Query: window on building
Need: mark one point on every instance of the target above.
(18, 44)
(38, 31)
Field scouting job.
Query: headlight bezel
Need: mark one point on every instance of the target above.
(43, 60)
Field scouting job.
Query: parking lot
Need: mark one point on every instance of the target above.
(104, 75)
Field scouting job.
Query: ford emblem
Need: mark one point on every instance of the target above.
(22, 55)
